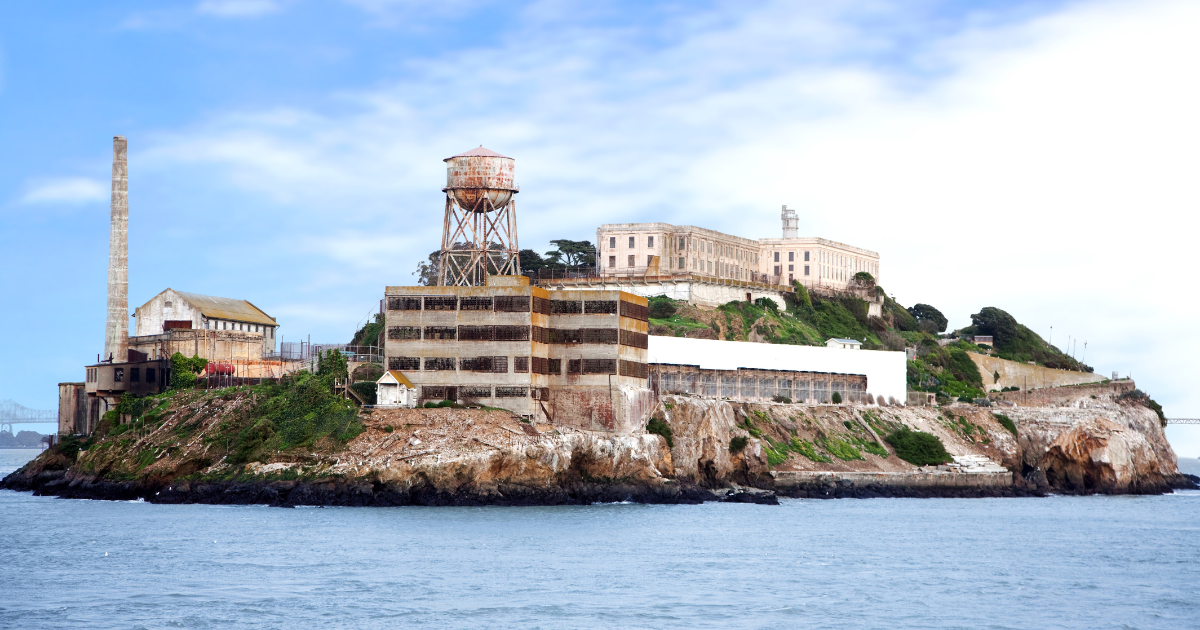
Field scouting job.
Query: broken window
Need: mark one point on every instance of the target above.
(404, 332)
(440, 363)
(404, 363)
(441, 303)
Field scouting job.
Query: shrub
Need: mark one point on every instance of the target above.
(660, 427)
(1006, 422)
(738, 444)
(367, 390)
(870, 399)
(917, 447)
(806, 448)
(836, 398)
(388, 429)
(766, 303)
(782, 399)
(184, 370)
(662, 307)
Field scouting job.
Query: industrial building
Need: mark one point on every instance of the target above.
(574, 357)
(215, 328)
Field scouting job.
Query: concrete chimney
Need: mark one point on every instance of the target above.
(116, 330)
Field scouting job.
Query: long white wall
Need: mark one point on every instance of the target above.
(885, 371)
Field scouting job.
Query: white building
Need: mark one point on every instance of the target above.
(844, 344)
(886, 372)
(393, 389)
(177, 310)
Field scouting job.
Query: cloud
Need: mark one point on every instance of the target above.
(1039, 163)
(237, 8)
(69, 190)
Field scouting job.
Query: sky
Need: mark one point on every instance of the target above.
(1039, 157)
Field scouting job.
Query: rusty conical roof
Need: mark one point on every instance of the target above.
(479, 152)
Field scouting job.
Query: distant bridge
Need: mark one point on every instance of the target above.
(1183, 420)
(11, 413)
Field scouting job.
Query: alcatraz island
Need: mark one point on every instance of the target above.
(663, 363)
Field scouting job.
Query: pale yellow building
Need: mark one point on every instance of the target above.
(628, 249)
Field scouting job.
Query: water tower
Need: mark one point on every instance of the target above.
(479, 236)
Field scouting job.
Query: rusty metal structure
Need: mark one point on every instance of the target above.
(116, 330)
(479, 234)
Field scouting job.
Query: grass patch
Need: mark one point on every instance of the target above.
(1006, 422)
(840, 449)
(738, 444)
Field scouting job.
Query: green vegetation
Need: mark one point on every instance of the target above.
(839, 448)
(836, 398)
(367, 391)
(738, 444)
(1139, 397)
(782, 399)
(296, 412)
(1006, 422)
(1015, 342)
(185, 370)
(659, 427)
(917, 447)
(662, 307)
(929, 318)
(807, 449)
(368, 335)
(947, 371)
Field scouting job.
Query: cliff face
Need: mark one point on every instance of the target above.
(449, 456)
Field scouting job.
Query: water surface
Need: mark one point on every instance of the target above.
(1059, 562)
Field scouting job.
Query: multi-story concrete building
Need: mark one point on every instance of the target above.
(571, 357)
(629, 249)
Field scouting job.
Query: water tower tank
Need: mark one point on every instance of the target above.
(480, 180)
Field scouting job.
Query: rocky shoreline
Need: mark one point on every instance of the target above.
(461, 457)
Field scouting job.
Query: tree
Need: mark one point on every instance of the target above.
(926, 313)
(864, 280)
(427, 271)
(801, 298)
(1000, 325)
(571, 254)
(368, 335)
(531, 261)
(332, 364)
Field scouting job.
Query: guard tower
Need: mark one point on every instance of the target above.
(479, 236)
(791, 223)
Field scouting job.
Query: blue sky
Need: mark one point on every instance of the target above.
(1034, 156)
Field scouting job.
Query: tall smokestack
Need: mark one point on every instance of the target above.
(116, 331)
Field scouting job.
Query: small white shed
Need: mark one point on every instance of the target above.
(845, 344)
(393, 389)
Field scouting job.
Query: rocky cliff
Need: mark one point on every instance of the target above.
(1083, 444)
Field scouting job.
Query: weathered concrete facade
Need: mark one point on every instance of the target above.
(116, 328)
(573, 357)
(73, 408)
(1023, 375)
(166, 316)
(214, 345)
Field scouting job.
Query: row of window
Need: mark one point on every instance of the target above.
(242, 326)
(520, 365)
(536, 334)
(701, 246)
(135, 375)
(450, 392)
(612, 242)
(498, 304)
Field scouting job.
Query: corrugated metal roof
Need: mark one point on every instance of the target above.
(399, 376)
(886, 372)
(227, 308)
(480, 152)
(847, 341)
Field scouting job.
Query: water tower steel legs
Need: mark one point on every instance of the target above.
(477, 243)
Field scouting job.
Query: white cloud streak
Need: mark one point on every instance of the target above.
(67, 190)
(1043, 167)
(237, 8)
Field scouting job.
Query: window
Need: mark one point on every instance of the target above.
(118, 375)
(612, 261)
(650, 241)
(777, 272)
(710, 266)
(404, 363)
(564, 307)
(806, 270)
(791, 268)
(805, 256)
(475, 304)
(791, 256)
(513, 304)
(440, 364)
(149, 375)
(600, 306)
(682, 243)
(512, 392)
(693, 264)
(441, 303)
(649, 260)
(404, 332)
(599, 366)
(612, 242)
(135, 375)
(521, 365)
(710, 247)
(776, 256)
(167, 304)
(632, 242)
(404, 303)
(681, 265)
(630, 261)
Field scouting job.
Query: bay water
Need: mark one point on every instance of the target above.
(1055, 562)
